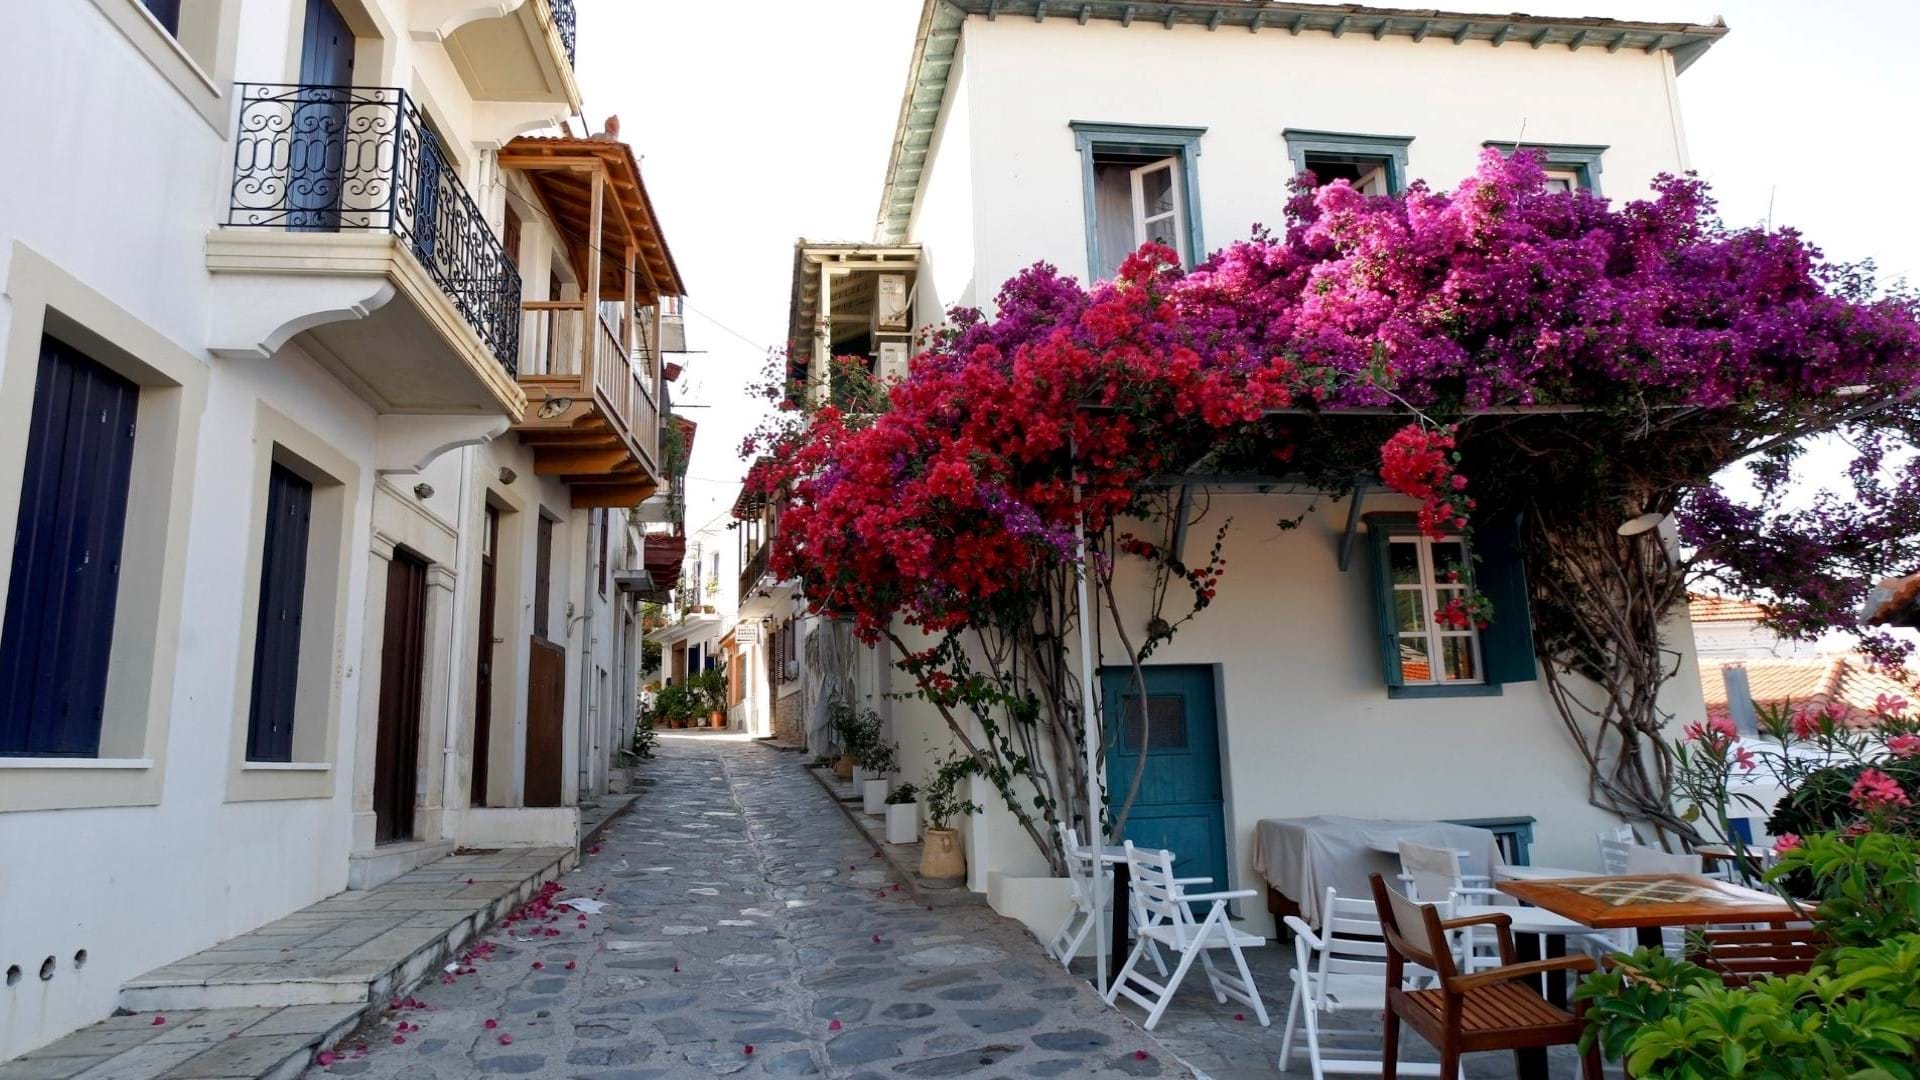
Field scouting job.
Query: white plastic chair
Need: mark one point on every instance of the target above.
(1082, 918)
(1433, 877)
(1340, 969)
(1169, 921)
(1614, 845)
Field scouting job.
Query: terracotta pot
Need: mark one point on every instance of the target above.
(717, 718)
(940, 856)
(903, 823)
(843, 768)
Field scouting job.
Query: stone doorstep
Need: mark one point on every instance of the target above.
(250, 1043)
(902, 859)
(590, 833)
(387, 949)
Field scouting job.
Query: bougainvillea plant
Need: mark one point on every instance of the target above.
(1498, 348)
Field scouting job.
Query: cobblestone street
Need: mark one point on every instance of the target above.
(749, 931)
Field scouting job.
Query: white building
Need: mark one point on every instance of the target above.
(314, 461)
(1071, 131)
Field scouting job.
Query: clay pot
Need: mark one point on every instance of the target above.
(717, 719)
(940, 856)
(843, 768)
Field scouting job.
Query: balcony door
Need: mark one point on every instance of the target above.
(318, 138)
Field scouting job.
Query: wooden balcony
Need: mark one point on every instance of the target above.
(590, 364)
(593, 416)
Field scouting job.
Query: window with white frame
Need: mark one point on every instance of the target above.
(1569, 166)
(1426, 574)
(1139, 188)
(1372, 164)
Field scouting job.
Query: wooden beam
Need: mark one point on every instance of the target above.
(590, 281)
(577, 462)
(520, 159)
(595, 496)
(1380, 29)
(1420, 32)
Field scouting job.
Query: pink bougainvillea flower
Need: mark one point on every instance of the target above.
(1785, 842)
(749, 1049)
(491, 1023)
(570, 965)
(399, 1040)
(876, 939)
(537, 965)
(158, 1020)
(1240, 1016)
(325, 1058)
(1139, 1055)
(834, 1026)
(594, 850)
(506, 1039)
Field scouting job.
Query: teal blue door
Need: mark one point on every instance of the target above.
(1180, 806)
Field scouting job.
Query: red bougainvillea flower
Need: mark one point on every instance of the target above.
(749, 1049)
(834, 1026)
(537, 965)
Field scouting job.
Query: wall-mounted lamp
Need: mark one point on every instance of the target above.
(553, 407)
(423, 490)
(1642, 524)
(508, 476)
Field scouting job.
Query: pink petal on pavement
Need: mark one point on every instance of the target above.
(506, 1040)
(491, 1023)
(158, 1020)
(749, 1049)
(835, 1026)
(569, 965)
(326, 1058)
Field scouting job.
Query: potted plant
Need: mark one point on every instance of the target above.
(674, 704)
(903, 814)
(942, 862)
(710, 693)
(852, 731)
(878, 760)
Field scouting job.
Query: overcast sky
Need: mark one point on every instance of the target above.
(760, 121)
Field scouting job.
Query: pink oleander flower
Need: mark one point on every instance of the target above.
(1876, 790)
(1744, 758)
(1715, 732)
(1889, 705)
(1786, 842)
(1904, 745)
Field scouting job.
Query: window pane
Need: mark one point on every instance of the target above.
(1457, 654)
(1156, 192)
(1166, 723)
(1403, 560)
(1409, 611)
(1449, 562)
(1415, 666)
(1367, 173)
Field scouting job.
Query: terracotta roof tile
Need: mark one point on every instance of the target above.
(1847, 679)
(1706, 607)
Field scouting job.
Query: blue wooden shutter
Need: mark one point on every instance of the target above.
(1386, 628)
(1499, 574)
(283, 587)
(65, 578)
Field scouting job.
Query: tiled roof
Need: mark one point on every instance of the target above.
(1892, 602)
(1706, 607)
(1847, 679)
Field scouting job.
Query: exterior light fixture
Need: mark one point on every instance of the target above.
(508, 476)
(1642, 524)
(553, 407)
(423, 490)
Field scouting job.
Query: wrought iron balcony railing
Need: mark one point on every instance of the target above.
(563, 21)
(328, 158)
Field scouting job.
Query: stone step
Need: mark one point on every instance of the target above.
(267, 1043)
(354, 947)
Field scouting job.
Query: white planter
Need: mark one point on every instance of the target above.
(903, 823)
(861, 776)
(873, 796)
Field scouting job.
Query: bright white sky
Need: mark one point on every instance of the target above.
(760, 121)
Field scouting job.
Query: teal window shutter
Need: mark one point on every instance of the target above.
(1384, 626)
(1499, 574)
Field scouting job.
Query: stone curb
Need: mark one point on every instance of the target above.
(894, 855)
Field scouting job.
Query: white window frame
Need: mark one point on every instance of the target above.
(1142, 220)
(1432, 633)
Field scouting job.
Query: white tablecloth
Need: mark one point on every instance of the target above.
(1300, 857)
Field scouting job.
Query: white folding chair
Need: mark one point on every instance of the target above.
(1433, 877)
(1340, 969)
(1614, 845)
(1169, 921)
(1082, 918)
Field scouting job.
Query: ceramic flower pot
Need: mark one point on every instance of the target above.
(941, 859)
(873, 796)
(843, 768)
(717, 718)
(903, 823)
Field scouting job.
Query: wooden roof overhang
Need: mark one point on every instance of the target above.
(562, 172)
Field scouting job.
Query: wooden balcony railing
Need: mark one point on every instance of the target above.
(568, 354)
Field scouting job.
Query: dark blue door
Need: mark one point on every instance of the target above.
(317, 139)
(1179, 806)
(283, 587)
(65, 577)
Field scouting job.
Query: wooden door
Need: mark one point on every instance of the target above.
(1180, 806)
(402, 667)
(546, 714)
(65, 577)
(276, 639)
(317, 136)
(483, 659)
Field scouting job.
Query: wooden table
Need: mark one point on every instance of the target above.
(1647, 902)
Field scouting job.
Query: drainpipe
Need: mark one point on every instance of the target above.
(586, 661)
(449, 753)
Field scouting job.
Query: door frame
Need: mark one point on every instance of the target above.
(1215, 677)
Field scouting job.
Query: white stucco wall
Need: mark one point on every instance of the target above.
(1024, 82)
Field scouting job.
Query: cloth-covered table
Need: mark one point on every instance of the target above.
(1300, 857)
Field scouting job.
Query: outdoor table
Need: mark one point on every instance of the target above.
(1645, 903)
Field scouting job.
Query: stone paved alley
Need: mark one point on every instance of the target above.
(743, 910)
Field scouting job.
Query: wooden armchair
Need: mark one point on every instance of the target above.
(1490, 1010)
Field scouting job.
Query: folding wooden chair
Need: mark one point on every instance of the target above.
(1169, 922)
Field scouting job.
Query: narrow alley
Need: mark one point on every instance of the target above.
(750, 931)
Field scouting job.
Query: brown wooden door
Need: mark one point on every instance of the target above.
(546, 706)
(402, 660)
(483, 661)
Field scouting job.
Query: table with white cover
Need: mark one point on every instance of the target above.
(1300, 857)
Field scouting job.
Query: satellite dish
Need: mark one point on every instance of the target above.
(1642, 524)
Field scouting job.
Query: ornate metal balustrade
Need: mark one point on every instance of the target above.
(327, 158)
(563, 22)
